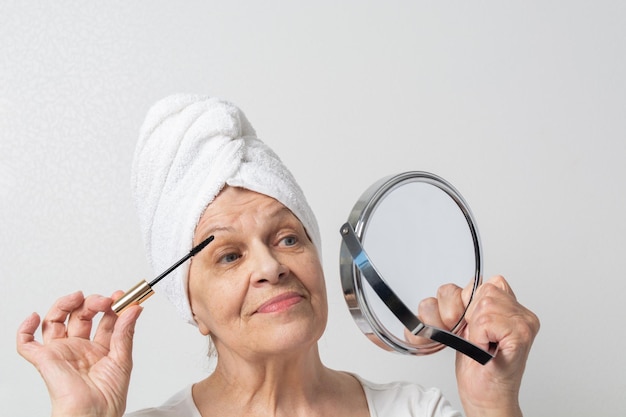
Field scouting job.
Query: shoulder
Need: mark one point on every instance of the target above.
(405, 399)
(181, 404)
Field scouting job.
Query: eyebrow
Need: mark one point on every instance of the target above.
(281, 212)
(284, 213)
(211, 231)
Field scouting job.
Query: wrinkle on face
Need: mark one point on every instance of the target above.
(225, 298)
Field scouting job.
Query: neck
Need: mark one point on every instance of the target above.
(265, 385)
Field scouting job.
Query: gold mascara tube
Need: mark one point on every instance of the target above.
(143, 290)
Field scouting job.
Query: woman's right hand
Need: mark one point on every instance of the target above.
(84, 376)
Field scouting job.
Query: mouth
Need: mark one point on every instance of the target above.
(280, 303)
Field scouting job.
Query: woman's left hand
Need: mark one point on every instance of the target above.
(495, 316)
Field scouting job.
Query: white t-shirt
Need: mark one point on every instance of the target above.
(395, 399)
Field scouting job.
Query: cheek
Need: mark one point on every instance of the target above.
(313, 277)
(216, 301)
(317, 272)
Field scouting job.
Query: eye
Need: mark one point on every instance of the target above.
(229, 258)
(289, 240)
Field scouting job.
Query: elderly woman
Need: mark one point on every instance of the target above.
(257, 291)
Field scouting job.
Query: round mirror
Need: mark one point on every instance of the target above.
(407, 237)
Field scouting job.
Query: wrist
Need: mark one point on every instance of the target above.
(493, 399)
(510, 410)
(82, 413)
(74, 414)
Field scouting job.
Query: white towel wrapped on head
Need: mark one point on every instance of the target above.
(189, 148)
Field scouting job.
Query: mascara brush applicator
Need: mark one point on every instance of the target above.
(143, 290)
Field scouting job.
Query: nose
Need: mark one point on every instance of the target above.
(267, 267)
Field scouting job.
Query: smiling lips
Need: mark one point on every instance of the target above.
(280, 303)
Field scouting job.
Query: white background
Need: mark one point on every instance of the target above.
(521, 105)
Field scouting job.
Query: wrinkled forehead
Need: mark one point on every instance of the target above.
(235, 203)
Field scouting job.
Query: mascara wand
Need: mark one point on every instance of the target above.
(143, 290)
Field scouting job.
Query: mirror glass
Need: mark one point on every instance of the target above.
(419, 240)
(414, 231)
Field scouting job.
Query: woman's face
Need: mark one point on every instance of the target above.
(259, 286)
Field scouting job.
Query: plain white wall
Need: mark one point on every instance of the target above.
(520, 104)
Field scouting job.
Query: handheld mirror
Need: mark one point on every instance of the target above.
(407, 237)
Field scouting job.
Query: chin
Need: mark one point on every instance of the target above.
(294, 336)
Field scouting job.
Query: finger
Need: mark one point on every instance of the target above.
(116, 295)
(105, 329)
(107, 323)
(26, 342)
(467, 293)
(122, 336)
(53, 326)
(416, 341)
(81, 319)
(513, 335)
(428, 312)
(501, 283)
(451, 307)
(494, 314)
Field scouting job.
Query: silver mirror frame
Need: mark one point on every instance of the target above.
(351, 277)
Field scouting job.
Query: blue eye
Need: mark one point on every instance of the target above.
(228, 258)
(290, 240)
